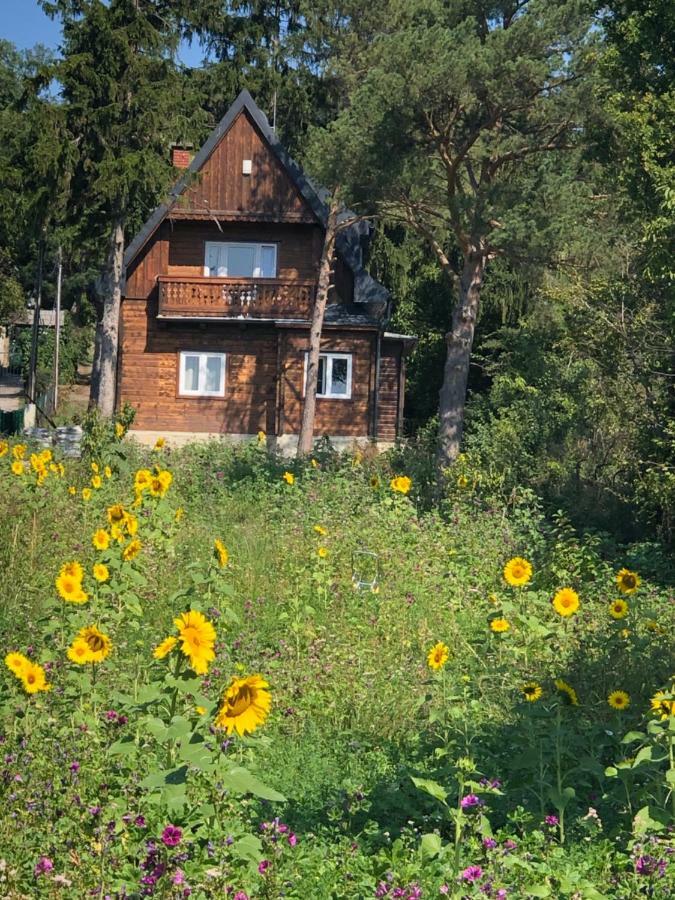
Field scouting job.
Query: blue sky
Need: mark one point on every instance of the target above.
(24, 23)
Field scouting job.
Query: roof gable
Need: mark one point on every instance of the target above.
(297, 195)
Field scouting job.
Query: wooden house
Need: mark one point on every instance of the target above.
(219, 287)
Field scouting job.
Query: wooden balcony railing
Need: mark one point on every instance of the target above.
(264, 298)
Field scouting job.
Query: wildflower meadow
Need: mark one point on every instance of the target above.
(227, 674)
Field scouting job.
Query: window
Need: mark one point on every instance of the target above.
(335, 375)
(236, 260)
(201, 374)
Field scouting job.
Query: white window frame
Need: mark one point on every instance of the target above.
(257, 263)
(203, 356)
(328, 368)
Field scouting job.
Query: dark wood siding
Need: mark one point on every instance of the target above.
(221, 189)
(389, 396)
(149, 374)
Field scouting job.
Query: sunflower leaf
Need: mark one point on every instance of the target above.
(242, 781)
(432, 788)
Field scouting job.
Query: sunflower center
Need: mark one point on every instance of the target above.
(240, 702)
(30, 678)
(95, 642)
(629, 580)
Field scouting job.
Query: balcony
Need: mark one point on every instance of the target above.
(236, 298)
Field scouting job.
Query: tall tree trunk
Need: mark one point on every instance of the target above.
(452, 396)
(306, 437)
(102, 393)
(95, 379)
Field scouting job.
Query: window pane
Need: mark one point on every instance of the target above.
(321, 381)
(212, 259)
(339, 379)
(267, 262)
(240, 261)
(191, 369)
(213, 364)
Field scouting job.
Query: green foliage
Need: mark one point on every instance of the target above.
(367, 753)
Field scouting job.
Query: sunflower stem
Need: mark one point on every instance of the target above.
(558, 768)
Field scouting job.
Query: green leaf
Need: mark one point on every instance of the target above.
(644, 755)
(432, 788)
(633, 736)
(179, 727)
(561, 799)
(537, 890)
(649, 819)
(124, 747)
(248, 848)
(242, 781)
(156, 728)
(430, 845)
(165, 777)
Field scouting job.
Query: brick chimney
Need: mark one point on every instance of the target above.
(181, 157)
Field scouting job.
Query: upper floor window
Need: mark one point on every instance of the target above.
(239, 260)
(335, 375)
(201, 374)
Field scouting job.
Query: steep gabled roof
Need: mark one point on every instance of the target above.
(350, 241)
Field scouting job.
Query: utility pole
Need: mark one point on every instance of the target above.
(57, 324)
(32, 373)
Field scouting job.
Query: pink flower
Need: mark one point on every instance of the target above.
(472, 873)
(263, 866)
(292, 839)
(171, 836)
(43, 866)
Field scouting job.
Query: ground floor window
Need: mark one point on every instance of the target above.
(335, 375)
(201, 374)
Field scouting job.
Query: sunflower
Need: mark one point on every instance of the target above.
(517, 571)
(34, 678)
(314, 463)
(117, 533)
(438, 656)
(375, 482)
(119, 430)
(130, 524)
(618, 700)
(662, 705)
(73, 568)
(462, 482)
(320, 530)
(180, 512)
(116, 514)
(567, 691)
(70, 588)
(17, 467)
(322, 552)
(79, 652)
(142, 479)
(221, 553)
(99, 644)
(262, 437)
(101, 572)
(618, 609)
(197, 637)
(289, 477)
(166, 646)
(246, 704)
(628, 581)
(18, 451)
(132, 550)
(16, 663)
(159, 443)
(100, 539)
(500, 625)
(4, 447)
(72, 490)
(95, 468)
(566, 602)
(532, 691)
(107, 472)
(401, 484)
(156, 487)
(165, 479)
(96, 481)
(86, 494)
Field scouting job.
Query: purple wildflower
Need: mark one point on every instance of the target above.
(178, 877)
(139, 822)
(74, 767)
(649, 865)
(382, 889)
(472, 873)
(551, 820)
(171, 836)
(263, 866)
(43, 866)
(240, 895)
(489, 843)
(292, 839)
(470, 801)
(509, 845)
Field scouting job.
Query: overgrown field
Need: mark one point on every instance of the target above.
(400, 699)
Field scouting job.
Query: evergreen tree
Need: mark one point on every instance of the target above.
(455, 115)
(124, 101)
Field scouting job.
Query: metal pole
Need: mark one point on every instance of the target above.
(32, 374)
(57, 325)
